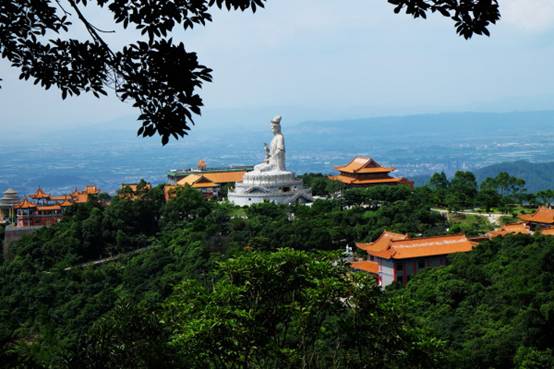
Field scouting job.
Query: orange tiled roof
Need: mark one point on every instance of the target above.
(225, 177)
(363, 164)
(79, 197)
(40, 194)
(542, 215)
(376, 170)
(197, 181)
(25, 204)
(383, 242)
(351, 180)
(421, 247)
(366, 266)
(514, 228)
(49, 208)
(66, 203)
(205, 185)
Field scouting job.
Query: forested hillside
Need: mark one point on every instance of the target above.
(173, 304)
(537, 176)
(195, 283)
(493, 306)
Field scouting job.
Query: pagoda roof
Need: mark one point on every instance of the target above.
(26, 204)
(10, 198)
(512, 228)
(10, 191)
(363, 165)
(355, 181)
(399, 246)
(366, 265)
(542, 215)
(40, 194)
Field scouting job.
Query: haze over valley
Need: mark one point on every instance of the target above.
(418, 145)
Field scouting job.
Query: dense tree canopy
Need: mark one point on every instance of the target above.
(494, 305)
(156, 258)
(158, 75)
(292, 309)
(200, 283)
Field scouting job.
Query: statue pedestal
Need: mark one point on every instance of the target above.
(269, 181)
(280, 187)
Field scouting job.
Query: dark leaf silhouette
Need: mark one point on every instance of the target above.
(157, 75)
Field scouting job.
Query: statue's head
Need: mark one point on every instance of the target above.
(276, 124)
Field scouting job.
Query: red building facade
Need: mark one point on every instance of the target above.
(43, 209)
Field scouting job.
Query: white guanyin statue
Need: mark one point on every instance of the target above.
(270, 180)
(275, 152)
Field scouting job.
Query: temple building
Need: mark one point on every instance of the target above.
(7, 205)
(364, 172)
(220, 176)
(202, 183)
(42, 209)
(527, 228)
(542, 218)
(513, 228)
(84, 196)
(210, 182)
(394, 258)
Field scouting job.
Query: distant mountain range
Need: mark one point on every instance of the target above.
(417, 145)
(537, 176)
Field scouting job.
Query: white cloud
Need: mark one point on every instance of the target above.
(530, 15)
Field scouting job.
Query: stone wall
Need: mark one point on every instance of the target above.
(14, 234)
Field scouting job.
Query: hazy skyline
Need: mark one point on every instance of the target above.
(323, 60)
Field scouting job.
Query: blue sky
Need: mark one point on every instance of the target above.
(316, 59)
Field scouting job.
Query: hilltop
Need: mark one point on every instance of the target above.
(537, 176)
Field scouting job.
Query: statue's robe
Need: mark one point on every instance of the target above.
(276, 159)
(277, 151)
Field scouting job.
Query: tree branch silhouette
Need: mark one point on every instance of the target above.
(155, 73)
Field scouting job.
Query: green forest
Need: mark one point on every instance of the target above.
(193, 283)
